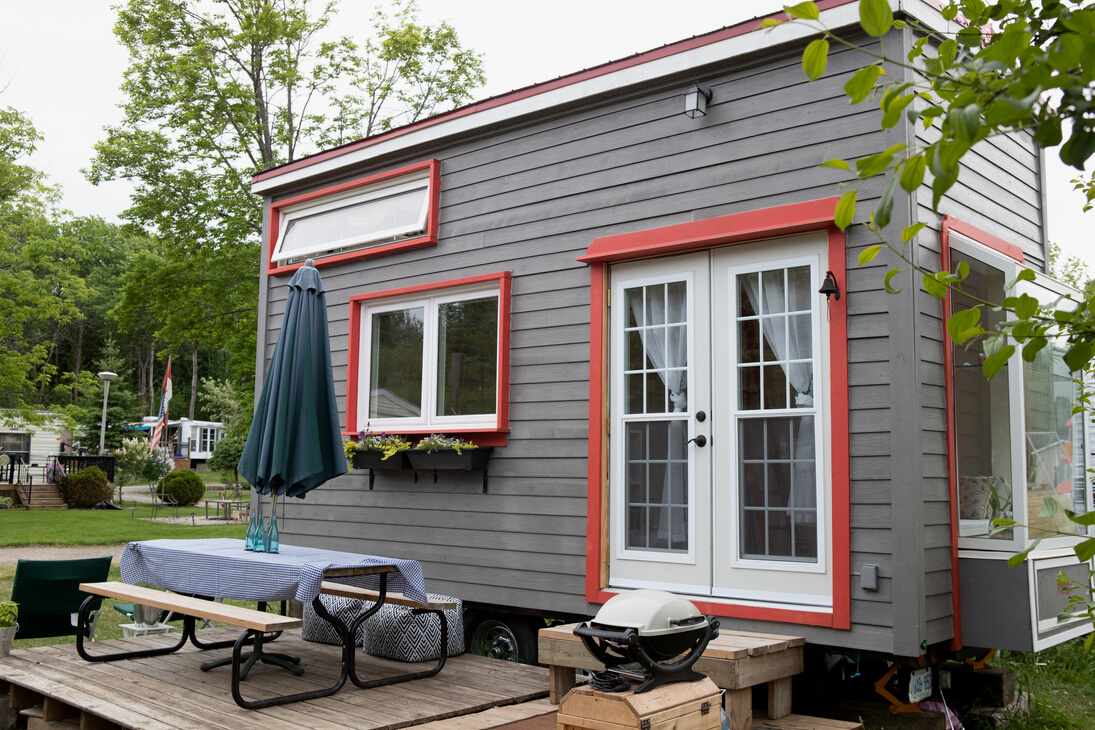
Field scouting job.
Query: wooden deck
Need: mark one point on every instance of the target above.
(170, 692)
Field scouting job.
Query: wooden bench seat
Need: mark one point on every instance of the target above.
(331, 588)
(246, 618)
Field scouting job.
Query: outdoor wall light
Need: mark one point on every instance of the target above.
(829, 287)
(695, 101)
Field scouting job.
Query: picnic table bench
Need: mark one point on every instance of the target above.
(735, 661)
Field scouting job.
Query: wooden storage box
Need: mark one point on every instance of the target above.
(678, 706)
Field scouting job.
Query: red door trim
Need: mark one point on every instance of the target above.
(740, 227)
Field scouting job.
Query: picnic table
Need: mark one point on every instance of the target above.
(197, 569)
(227, 506)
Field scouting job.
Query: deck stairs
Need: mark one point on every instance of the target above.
(41, 496)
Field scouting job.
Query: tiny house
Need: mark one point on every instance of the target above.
(622, 299)
(190, 441)
(34, 445)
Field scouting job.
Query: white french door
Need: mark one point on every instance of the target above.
(719, 426)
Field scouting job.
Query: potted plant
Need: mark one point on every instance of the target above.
(377, 451)
(9, 610)
(438, 451)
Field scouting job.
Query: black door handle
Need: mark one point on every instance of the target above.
(700, 440)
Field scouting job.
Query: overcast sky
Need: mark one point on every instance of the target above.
(63, 66)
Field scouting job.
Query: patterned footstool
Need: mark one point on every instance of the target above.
(346, 609)
(397, 633)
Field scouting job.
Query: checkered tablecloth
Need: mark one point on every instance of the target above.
(222, 568)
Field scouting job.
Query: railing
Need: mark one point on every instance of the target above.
(75, 462)
(17, 472)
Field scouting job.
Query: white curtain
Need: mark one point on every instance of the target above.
(668, 348)
(790, 342)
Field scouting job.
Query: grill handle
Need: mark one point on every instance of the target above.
(624, 637)
(628, 638)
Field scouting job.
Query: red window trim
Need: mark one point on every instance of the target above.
(737, 228)
(429, 238)
(496, 436)
(950, 223)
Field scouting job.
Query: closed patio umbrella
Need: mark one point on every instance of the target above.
(295, 443)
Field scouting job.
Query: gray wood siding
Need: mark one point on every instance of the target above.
(529, 197)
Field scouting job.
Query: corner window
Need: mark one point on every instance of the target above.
(432, 358)
(373, 215)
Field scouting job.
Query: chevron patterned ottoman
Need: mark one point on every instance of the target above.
(317, 630)
(396, 633)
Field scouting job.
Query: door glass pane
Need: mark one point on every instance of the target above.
(982, 413)
(657, 489)
(467, 357)
(396, 369)
(778, 480)
(656, 357)
(783, 341)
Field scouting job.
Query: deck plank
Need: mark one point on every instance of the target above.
(172, 693)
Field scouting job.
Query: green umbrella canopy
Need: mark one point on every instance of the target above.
(295, 443)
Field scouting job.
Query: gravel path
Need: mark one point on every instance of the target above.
(11, 555)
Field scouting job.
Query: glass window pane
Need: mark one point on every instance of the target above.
(633, 299)
(658, 439)
(779, 534)
(634, 357)
(773, 300)
(655, 304)
(799, 292)
(660, 526)
(775, 387)
(805, 526)
(752, 439)
(752, 485)
(636, 527)
(779, 485)
(396, 367)
(657, 480)
(467, 357)
(800, 339)
(657, 485)
(749, 385)
(775, 339)
(634, 387)
(747, 283)
(982, 413)
(678, 302)
(753, 534)
(656, 393)
(779, 438)
(357, 224)
(749, 341)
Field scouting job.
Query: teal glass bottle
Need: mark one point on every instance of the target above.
(272, 540)
(260, 536)
(252, 530)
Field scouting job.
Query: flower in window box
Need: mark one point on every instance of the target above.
(438, 451)
(376, 451)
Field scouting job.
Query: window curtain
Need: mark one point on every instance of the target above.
(667, 351)
(790, 343)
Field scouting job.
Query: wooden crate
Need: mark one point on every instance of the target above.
(677, 706)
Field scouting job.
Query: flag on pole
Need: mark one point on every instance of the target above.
(161, 421)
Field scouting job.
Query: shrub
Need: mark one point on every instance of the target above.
(185, 486)
(132, 461)
(88, 487)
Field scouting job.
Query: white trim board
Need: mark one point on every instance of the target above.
(598, 86)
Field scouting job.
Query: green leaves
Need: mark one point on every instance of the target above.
(996, 361)
(867, 255)
(890, 288)
(912, 173)
(875, 17)
(845, 210)
(815, 58)
(803, 11)
(965, 325)
(862, 83)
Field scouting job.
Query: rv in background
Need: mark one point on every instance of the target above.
(191, 442)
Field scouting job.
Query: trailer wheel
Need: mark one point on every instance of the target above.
(504, 636)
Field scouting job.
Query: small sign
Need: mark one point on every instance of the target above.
(920, 684)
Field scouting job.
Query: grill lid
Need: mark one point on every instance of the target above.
(650, 613)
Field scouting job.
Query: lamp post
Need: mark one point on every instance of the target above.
(106, 377)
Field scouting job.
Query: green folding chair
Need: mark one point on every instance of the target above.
(49, 596)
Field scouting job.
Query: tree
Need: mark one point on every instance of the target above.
(1017, 65)
(218, 90)
(39, 293)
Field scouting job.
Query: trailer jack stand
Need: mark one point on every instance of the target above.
(896, 706)
(983, 661)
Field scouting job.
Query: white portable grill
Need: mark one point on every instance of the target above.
(650, 628)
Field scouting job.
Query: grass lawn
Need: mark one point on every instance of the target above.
(99, 527)
(1062, 680)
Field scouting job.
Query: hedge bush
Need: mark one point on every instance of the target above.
(88, 487)
(185, 486)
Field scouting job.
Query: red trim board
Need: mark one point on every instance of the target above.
(737, 228)
(672, 49)
(429, 238)
(496, 436)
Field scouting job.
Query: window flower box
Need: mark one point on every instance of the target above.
(375, 460)
(450, 459)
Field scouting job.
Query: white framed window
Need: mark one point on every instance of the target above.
(369, 216)
(433, 359)
(207, 439)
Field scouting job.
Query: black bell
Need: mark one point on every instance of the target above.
(829, 287)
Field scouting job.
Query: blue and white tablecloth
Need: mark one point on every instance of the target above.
(221, 568)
